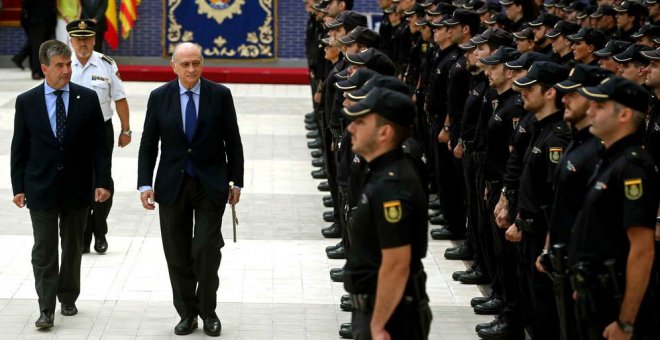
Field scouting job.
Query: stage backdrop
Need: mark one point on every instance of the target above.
(226, 29)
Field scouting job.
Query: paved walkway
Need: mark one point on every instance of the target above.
(274, 282)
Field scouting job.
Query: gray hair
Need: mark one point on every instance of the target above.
(52, 48)
(187, 44)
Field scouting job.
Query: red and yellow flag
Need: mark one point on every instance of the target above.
(127, 16)
(111, 34)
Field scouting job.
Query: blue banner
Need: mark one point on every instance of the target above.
(226, 29)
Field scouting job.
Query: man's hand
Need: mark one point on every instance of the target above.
(614, 332)
(380, 334)
(458, 151)
(513, 234)
(123, 140)
(538, 264)
(443, 136)
(148, 200)
(101, 195)
(19, 200)
(234, 196)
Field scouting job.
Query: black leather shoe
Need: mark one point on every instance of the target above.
(312, 134)
(502, 330)
(462, 252)
(491, 307)
(345, 297)
(310, 120)
(337, 254)
(333, 231)
(333, 247)
(46, 319)
(85, 250)
(329, 216)
(17, 62)
(323, 186)
(101, 245)
(317, 154)
(445, 234)
(477, 277)
(320, 174)
(438, 220)
(309, 115)
(212, 326)
(434, 213)
(69, 309)
(434, 204)
(336, 270)
(337, 277)
(328, 203)
(311, 126)
(318, 162)
(346, 306)
(477, 300)
(315, 144)
(346, 331)
(460, 273)
(185, 326)
(484, 325)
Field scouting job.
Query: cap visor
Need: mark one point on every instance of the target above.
(603, 53)
(552, 34)
(345, 85)
(567, 86)
(489, 61)
(356, 110)
(525, 82)
(593, 93)
(651, 55)
(513, 65)
(357, 95)
(621, 59)
(351, 59)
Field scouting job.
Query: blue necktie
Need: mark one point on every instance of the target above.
(191, 126)
(60, 116)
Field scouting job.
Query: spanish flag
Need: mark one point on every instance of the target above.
(127, 16)
(111, 35)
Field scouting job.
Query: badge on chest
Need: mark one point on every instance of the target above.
(633, 188)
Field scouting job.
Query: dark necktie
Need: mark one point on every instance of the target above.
(60, 116)
(191, 126)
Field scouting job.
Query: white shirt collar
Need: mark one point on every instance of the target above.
(194, 89)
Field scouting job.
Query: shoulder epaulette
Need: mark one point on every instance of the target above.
(108, 59)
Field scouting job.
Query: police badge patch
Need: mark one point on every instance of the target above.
(633, 188)
(392, 211)
(555, 154)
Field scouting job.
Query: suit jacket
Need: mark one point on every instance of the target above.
(53, 174)
(216, 151)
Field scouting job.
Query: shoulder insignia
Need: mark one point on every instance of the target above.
(392, 211)
(536, 150)
(633, 188)
(656, 127)
(107, 59)
(495, 103)
(600, 186)
(555, 154)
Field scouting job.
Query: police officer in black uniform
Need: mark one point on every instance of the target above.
(612, 244)
(384, 272)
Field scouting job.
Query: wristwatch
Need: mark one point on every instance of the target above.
(127, 132)
(446, 128)
(625, 327)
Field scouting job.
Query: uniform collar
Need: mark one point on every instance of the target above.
(553, 118)
(386, 159)
(620, 146)
(93, 60)
(582, 135)
(506, 94)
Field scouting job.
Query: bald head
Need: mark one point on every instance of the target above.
(187, 48)
(187, 62)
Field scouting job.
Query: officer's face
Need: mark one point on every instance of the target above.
(347, 102)
(406, 4)
(58, 72)
(533, 98)
(426, 33)
(646, 41)
(337, 33)
(472, 60)
(188, 65)
(384, 3)
(364, 135)
(411, 23)
(334, 8)
(561, 45)
(440, 35)
(654, 9)
(581, 51)
(512, 11)
(331, 53)
(524, 45)
(604, 121)
(539, 33)
(351, 48)
(609, 64)
(456, 33)
(482, 51)
(571, 16)
(519, 73)
(632, 72)
(623, 20)
(83, 47)
(575, 107)
(602, 23)
(496, 75)
(653, 74)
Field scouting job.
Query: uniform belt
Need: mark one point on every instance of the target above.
(365, 302)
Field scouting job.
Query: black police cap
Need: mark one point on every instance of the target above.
(374, 59)
(651, 55)
(620, 90)
(361, 35)
(588, 11)
(497, 37)
(512, 2)
(387, 82)
(473, 5)
(546, 19)
(441, 9)
(611, 48)
(574, 6)
(489, 6)
(320, 6)
(501, 55)
(647, 31)
(603, 10)
(526, 33)
(349, 20)
(564, 28)
(355, 81)
(498, 18)
(526, 60)
(389, 104)
(589, 35)
(463, 17)
(81, 28)
(631, 54)
(416, 9)
(632, 8)
(545, 72)
(582, 75)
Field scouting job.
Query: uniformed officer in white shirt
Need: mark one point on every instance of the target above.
(98, 72)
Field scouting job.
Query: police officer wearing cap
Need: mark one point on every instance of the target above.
(561, 46)
(99, 72)
(612, 245)
(384, 272)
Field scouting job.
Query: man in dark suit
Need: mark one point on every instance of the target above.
(201, 154)
(60, 164)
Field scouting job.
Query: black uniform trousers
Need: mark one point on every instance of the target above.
(450, 185)
(192, 239)
(98, 213)
(52, 280)
(405, 323)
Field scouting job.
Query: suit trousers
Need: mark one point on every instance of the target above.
(98, 213)
(192, 239)
(50, 279)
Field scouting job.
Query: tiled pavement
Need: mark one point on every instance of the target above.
(274, 282)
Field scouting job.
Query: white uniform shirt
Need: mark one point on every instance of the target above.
(101, 75)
